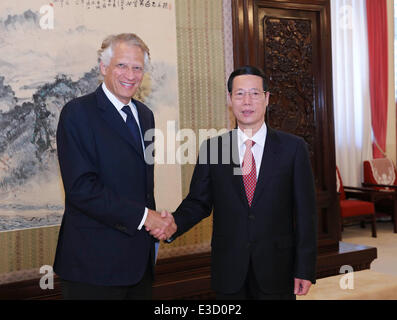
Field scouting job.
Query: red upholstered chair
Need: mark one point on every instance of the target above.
(354, 209)
(381, 175)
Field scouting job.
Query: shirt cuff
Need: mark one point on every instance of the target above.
(143, 219)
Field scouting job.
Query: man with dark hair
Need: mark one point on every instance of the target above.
(247, 70)
(264, 222)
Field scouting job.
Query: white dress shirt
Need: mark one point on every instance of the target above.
(257, 149)
(119, 105)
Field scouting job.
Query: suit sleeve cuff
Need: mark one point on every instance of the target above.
(143, 219)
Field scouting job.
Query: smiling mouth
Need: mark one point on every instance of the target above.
(127, 85)
(247, 112)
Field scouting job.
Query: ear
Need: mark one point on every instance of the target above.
(229, 99)
(267, 96)
(102, 68)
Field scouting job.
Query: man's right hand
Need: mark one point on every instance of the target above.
(160, 225)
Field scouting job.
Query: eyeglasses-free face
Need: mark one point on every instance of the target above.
(124, 74)
(124, 67)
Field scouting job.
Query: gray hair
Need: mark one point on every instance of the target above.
(105, 54)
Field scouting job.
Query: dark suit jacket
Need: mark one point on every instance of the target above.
(278, 233)
(107, 186)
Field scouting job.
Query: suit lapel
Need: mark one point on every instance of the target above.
(269, 159)
(235, 169)
(113, 118)
(144, 121)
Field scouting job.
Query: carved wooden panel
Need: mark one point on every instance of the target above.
(288, 64)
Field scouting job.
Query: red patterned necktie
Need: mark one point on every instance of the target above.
(249, 171)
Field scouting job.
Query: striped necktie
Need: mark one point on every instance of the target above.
(249, 171)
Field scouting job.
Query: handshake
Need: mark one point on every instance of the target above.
(160, 225)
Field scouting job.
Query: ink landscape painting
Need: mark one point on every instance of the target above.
(48, 56)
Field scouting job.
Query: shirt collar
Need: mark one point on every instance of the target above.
(259, 137)
(116, 102)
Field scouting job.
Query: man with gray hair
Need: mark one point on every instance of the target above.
(104, 250)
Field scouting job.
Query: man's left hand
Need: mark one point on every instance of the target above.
(302, 287)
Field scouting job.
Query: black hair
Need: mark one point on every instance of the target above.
(246, 70)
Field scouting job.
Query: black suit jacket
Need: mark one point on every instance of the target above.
(107, 186)
(278, 233)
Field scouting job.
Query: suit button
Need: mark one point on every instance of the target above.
(251, 217)
(248, 245)
(120, 227)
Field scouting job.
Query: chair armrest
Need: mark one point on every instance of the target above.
(366, 194)
(363, 190)
(379, 185)
(382, 193)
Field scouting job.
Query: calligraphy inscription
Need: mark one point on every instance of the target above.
(120, 4)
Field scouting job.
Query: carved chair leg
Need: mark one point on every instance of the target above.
(362, 224)
(373, 223)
